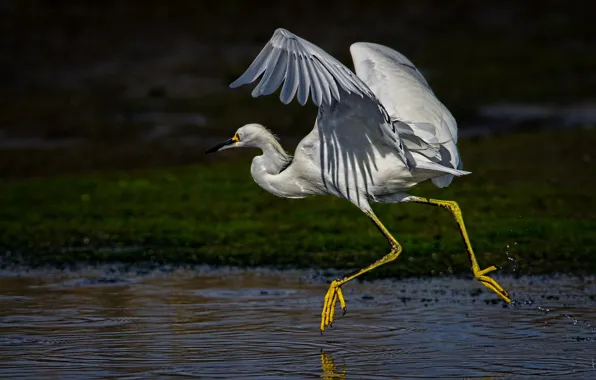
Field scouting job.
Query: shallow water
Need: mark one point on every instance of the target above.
(165, 323)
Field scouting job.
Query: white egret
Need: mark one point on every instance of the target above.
(377, 134)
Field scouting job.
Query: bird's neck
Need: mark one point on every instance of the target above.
(267, 167)
(274, 158)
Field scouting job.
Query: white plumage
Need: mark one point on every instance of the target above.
(378, 133)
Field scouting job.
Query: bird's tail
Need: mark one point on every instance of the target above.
(444, 180)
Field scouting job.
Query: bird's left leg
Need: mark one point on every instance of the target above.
(334, 294)
(480, 274)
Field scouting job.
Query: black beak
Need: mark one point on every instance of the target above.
(220, 145)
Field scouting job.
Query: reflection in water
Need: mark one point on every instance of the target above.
(264, 324)
(329, 368)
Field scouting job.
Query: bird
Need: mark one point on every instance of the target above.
(379, 131)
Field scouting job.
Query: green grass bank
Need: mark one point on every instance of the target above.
(530, 195)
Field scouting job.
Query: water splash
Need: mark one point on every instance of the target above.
(544, 309)
(581, 323)
(515, 269)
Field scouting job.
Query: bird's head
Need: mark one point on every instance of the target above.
(249, 135)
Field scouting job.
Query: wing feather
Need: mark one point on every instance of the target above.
(316, 70)
(316, 89)
(292, 80)
(407, 96)
(304, 67)
(278, 74)
(332, 90)
(258, 66)
(304, 77)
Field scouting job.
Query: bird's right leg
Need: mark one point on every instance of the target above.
(480, 274)
(334, 294)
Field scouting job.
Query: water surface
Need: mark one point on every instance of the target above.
(224, 323)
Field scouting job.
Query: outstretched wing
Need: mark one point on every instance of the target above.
(424, 123)
(304, 67)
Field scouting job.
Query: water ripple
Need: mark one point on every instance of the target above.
(223, 324)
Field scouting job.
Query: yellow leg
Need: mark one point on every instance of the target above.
(334, 294)
(480, 275)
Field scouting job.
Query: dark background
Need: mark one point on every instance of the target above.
(101, 85)
(107, 108)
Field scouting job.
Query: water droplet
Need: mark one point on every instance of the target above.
(544, 309)
(511, 258)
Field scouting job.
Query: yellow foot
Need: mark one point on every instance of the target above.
(490, 283)
(333, 295)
